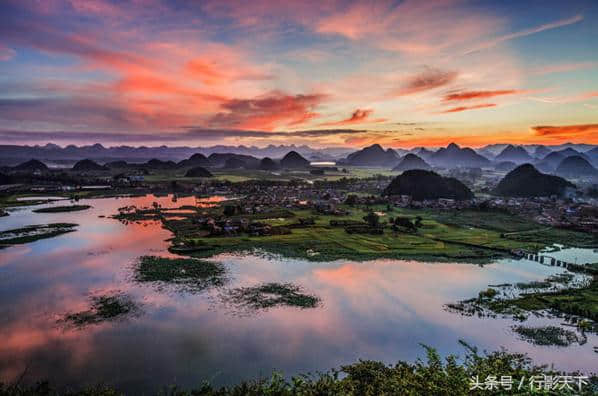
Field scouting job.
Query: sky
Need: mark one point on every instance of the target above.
(324, 73)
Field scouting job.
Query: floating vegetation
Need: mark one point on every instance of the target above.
(33, 233)
(572, 296)
(104, 308)
(548, 335)
(187, 273)
(534, 285)
(489, 293)
(269, 295)
(61, 209)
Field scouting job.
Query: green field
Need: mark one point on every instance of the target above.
(239, 175)
(462, 235)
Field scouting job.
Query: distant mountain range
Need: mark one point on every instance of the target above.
(56, 155)
(545, 158)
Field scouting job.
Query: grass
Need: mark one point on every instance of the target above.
(452, 376)
(103, 308)
(187, 273)
(441, 237)
(33, 233)
(271, 295)
(547, 335)
(61, 209)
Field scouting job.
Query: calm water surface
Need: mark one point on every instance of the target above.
(379, 310)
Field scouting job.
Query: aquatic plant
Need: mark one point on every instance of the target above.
(186, 273)
(103, 308)
(269, 295)
(33, 233)
(547, 335)
(61, 209)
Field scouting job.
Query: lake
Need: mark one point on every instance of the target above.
(381, 309)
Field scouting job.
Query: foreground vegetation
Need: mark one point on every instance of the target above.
(434, 376)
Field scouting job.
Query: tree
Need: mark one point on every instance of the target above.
(405, 223)
(229, 210)
(372, 219)
(351, 199)
(418, 221)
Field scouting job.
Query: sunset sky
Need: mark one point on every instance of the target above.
(323, 73)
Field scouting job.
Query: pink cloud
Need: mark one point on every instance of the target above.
(428, 79)
(472, 95)
(6, 53)
(411, 27)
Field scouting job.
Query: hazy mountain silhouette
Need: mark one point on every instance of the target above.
(31, 166)
(505, 166)
(542, 151)
(219, 160)
(575, 166)
(373, 155)
(411, 161)
(197, 159)
(515, 154)
(294, 160)
(550, 162)
(89, 166)
(454, 156)
(268, 164)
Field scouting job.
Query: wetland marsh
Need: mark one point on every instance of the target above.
(142, 317)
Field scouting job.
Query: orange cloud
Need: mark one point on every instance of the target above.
(358, 116)
(267, 112)
(471, 95)
(464, 108)
(588, 133)
(211, 72)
